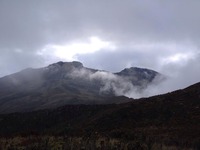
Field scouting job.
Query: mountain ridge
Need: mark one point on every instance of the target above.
(68, 83)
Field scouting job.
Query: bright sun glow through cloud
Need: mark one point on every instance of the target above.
(179, 58)
(69, 51)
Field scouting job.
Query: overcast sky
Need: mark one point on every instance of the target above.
(163, 35)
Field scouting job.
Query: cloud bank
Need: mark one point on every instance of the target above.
(119, 85)
(108, 35)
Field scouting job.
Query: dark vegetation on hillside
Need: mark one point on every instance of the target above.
(172, 119)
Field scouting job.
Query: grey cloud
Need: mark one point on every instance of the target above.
(112, 82)
(13, 61)
(27, 26)
(180, 74)
(150, 57)
(179, 77)
(30, 24)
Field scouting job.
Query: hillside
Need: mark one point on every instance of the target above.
(68, 83)
(171, 119)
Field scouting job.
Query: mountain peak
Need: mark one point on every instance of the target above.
(73, 63)
(136, 70)
(77, 64)
(139, 74)
(60, 63)
(66, 65)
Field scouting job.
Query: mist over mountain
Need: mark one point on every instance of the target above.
(71, 83)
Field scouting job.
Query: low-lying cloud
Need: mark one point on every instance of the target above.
(112, 83)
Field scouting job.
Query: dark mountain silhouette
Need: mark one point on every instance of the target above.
(171, 119)
(68, 83)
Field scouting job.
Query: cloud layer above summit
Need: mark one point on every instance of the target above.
(109, 35)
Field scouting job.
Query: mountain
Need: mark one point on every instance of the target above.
(68, 83)
(169, 121)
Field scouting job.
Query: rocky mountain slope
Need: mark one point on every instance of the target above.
(68, 83)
